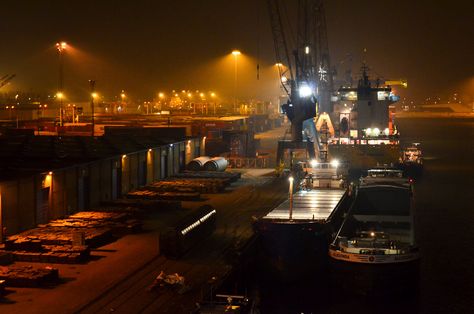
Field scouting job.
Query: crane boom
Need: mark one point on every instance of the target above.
(6, 79)
(279, 40)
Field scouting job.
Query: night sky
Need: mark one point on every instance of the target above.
(145, 47)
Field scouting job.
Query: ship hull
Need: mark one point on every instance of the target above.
(375, 279)
(291, 251)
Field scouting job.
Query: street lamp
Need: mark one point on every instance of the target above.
(122, 97)
(93, 97)
(213, 96)
(61, 47)
(235, 53)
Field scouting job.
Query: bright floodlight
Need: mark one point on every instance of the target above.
(386, 132)
(236, 52)
(368, 131)
(335, 163)
(313, 163)
(376, 132)
(61, 46)
(278, 64)
(290, 179)
(305, 91)
(284, 79)
(59, 95)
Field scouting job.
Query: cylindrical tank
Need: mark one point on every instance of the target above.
(216, 164)
(197, 164)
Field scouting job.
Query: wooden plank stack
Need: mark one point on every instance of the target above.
(28, 276)
(153, 195)
(56, 242)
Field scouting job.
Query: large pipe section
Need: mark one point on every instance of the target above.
(197, 164)
(216, 164)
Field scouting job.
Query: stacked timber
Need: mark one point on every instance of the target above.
(99, 215)
(33, 239)
(28, 276)
(231, 176)
(68, 240)
(144, 205)
(55, 254)
(189, 185)
(153, 195)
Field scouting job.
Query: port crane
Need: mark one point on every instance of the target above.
(305, 74)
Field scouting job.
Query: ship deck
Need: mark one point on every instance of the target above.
(309, 205)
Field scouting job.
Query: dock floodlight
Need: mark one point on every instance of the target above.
(305, 90)
(376, 132)
(313, 163)
(335, 163)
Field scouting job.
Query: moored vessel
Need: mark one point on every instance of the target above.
(295, 235)
(375, 250)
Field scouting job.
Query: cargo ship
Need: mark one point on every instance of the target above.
(375, 250)
(295, 235)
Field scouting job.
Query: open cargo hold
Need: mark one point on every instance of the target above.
(186, 233)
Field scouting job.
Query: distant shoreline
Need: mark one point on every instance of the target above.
(440, 115)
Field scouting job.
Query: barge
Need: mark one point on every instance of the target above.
(295, 235)
(375, 250)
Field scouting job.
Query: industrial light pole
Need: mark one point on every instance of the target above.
(291, 179)
(235, 53)
(93, 96)
(61, 47)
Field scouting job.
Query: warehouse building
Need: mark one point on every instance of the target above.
(48, 177)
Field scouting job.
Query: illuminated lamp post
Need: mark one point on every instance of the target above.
(235, 53)
(291, 179)
(213, 96)
(122, 97)
(61, 47)
(161, 97)
(93, 97)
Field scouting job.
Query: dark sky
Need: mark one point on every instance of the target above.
(149, 46)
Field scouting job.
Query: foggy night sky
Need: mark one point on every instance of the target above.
(148, 46)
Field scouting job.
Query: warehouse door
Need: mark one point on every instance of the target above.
(142, 173)
(182, 160)
(83, 193)
(164, 166)
(114, 184)
(42, 206)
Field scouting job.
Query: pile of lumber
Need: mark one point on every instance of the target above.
(33, 239)
(68, 240)
(153, 195)
(230, 176)
(55, 254)
(28, 276)
(144, 205)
